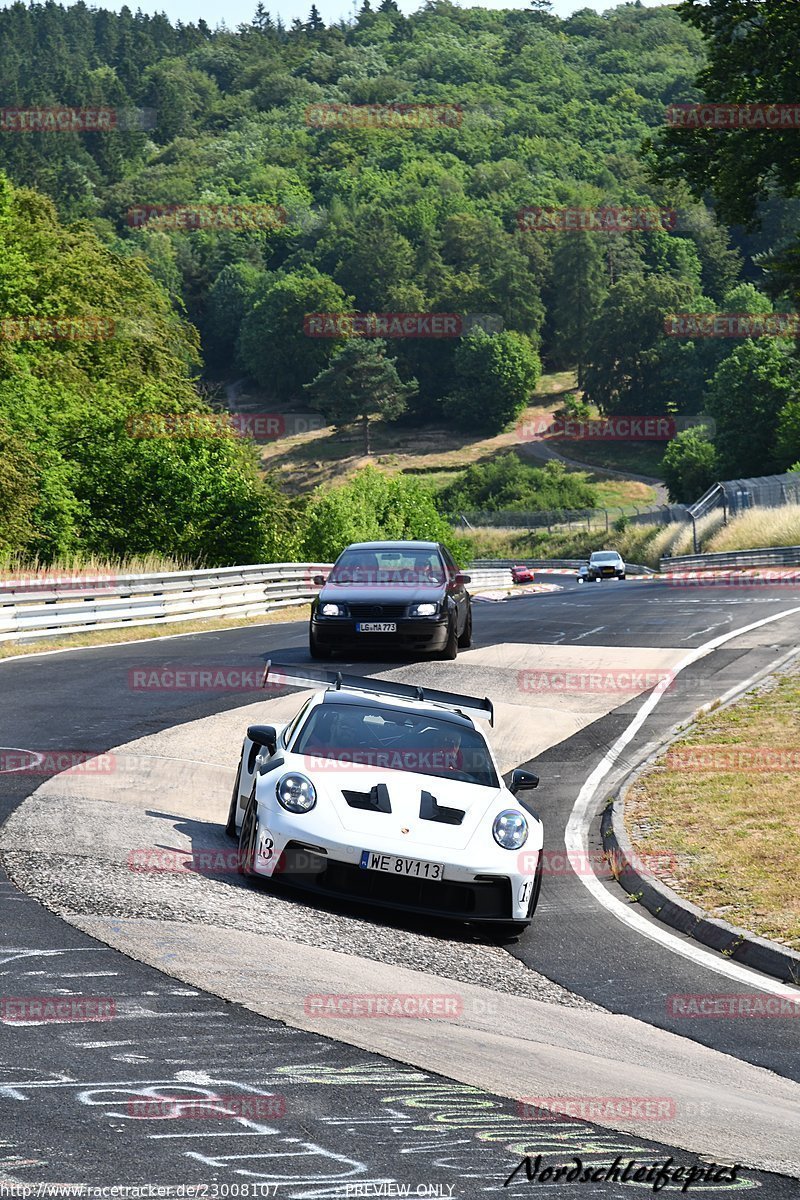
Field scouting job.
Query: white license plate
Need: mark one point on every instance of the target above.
(377, 627)
(390, 864)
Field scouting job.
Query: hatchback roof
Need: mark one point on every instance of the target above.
(393, 546)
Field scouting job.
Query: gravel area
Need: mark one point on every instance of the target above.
(72, 845)
(76, 886)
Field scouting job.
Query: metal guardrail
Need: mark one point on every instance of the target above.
(81, 604)
(588, 518)
(553, 564)
(774, 556)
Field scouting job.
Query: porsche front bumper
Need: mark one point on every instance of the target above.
(296, 852)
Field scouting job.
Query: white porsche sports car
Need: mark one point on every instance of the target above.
(388, 794)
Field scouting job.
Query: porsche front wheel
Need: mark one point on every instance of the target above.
(230, 827)
(247, 837)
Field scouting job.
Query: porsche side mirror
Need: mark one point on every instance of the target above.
(318, 580)
(263, 736)
(462, 579)
(522, 781)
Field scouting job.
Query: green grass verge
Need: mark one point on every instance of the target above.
(728, 827)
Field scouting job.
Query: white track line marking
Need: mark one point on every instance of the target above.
(700, 632)
(589, 632)
(576, 840)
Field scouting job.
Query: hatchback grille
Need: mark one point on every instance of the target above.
(378, 612)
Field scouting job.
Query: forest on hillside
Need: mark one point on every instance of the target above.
(426, 215)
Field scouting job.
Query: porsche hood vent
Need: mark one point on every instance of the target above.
(377, 800)
(431, 810)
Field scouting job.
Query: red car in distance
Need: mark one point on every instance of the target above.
(522, 574)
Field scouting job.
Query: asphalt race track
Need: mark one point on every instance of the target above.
(342, 1119)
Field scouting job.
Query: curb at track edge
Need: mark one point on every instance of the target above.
(737, 945)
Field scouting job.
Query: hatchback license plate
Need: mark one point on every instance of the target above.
(377, 627)
(390, 864)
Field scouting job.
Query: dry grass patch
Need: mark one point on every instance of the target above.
(758, 529)
(730, 829)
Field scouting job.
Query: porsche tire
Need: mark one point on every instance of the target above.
(247, 837)
(230, 827)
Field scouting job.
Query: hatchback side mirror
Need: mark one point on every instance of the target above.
(461, 579)
(522, 781)
(318, 580)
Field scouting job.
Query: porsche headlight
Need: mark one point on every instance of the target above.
(423, 610)
(332, 610)
(296, 793)
(510, 829)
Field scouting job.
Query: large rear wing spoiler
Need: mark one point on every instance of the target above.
(469, 706)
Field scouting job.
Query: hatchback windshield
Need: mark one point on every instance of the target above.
(369, 567)
(396, 741)
(608, 557)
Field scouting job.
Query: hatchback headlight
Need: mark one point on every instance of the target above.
(510, 829)
(332, 610)
(296, 793)
(423, 610)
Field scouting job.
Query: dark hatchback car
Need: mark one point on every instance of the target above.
(405, 595)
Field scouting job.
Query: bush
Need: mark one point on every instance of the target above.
(690, 465)
(495, 375)
(506, 482)
(375, 507)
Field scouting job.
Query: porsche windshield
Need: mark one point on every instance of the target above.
(369, 567)
(396, 741)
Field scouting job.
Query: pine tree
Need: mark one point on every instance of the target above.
(580, 287)
(262, 19)
(315, 22)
